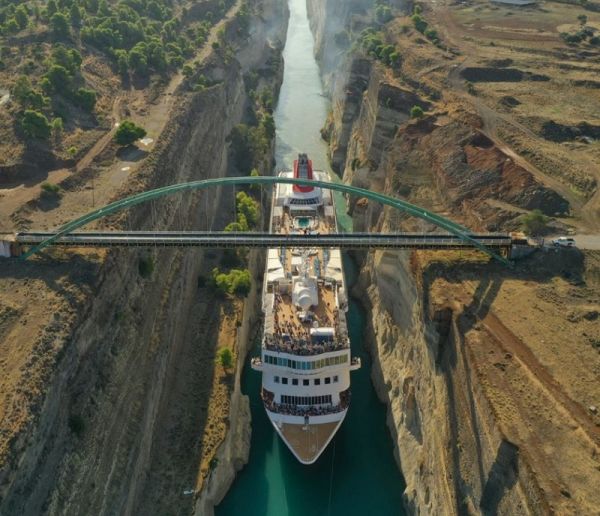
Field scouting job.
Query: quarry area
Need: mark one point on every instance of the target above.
(111, 400)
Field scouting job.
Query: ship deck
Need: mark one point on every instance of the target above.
(308, 441)
(326, 312)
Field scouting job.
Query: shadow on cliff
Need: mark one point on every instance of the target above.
(452, 362)
(501, 478)
(56, 272)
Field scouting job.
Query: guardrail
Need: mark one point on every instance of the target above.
(267, 240)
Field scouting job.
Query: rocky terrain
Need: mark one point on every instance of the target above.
(111, 399)
(479, 114)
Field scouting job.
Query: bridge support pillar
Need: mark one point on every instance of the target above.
(9, 247)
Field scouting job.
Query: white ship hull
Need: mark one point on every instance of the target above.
(305, 356)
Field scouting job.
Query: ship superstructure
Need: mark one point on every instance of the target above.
(305, 355)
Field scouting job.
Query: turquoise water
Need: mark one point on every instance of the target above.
(357, 474)
(303, 222)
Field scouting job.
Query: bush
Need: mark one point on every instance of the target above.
(86, 99)
(50, 190)
(247, 209)
(236, 281)
(419, 23)
(128, 132)
(35, 124)
(535, 223)
(226, 358)
(416, 112)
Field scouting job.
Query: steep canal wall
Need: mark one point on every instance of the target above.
(95, 444)
(448, 445)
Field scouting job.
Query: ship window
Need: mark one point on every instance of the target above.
(276, 379)
(328, 380)
(305, 382)
(294, 381)
(317, 381)
(284, 380)
(335, 379)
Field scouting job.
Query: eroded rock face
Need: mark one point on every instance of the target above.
(125, 345)
(448, 442)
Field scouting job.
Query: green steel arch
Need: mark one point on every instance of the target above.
(411, 209)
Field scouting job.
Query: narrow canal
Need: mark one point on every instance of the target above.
(357, 474)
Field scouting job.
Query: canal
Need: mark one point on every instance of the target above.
(357, 474)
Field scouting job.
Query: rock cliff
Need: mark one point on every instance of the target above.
(458, 450)
(92, 444)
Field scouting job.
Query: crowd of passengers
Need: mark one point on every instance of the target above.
(302, 346)
(297, 328)
(297, 410)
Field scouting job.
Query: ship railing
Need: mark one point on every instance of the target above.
(303, 347)
(304, 410)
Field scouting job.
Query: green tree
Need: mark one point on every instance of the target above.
(226, 358)
(21, 89)
(12, 27)
(56, 127)
(70, 59)
(122, 62)
(236, 281)
(247, 207)
(535, 222)
(128, 132)
(138, 61)
(268, 124)
(35, 125)
(416, 112)
(582, 18)
(58, 77)
(51, 8)
(59, 23)
(75, 15)
(86, 99)
(21, 16)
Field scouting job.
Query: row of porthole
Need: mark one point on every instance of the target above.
(306, 382)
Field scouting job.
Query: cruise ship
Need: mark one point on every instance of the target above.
(305, 353)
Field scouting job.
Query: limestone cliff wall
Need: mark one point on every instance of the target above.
(116, 363)
(453, 456)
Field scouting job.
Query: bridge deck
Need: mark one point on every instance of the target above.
(232, 240)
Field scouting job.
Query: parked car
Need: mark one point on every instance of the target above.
(563, 242)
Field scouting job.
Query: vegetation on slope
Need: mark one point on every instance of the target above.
(47, 50)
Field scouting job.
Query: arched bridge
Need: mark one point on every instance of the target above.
(458, 232)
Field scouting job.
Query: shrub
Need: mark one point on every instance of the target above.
(236, 281)
(86, 99)
(50, 189)
(535, 223)
(416, 112)
(128, 132)
(419, 22)
(35, 124)
(268, 124)
(247, 209)
(226, 358)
